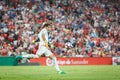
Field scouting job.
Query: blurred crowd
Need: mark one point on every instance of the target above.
(81, 28)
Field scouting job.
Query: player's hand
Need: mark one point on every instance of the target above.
(46, 44)
(33, 41)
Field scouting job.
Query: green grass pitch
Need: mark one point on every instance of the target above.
(49, 73)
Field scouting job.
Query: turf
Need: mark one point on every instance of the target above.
(49, 73)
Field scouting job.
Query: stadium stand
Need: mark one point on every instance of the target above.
(81, 28)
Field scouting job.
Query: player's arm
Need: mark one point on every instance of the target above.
(45, 40)
(35, 40)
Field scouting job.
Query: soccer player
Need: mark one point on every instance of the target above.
(44, 48)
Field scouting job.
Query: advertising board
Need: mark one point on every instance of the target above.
(75, 61)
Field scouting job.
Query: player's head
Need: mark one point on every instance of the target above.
(47, 25)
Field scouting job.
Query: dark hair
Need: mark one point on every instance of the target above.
(47, 24)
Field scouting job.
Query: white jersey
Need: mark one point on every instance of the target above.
(42, 49)
(45, 32)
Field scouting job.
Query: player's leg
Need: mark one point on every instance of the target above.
(23, 58)
(54, 60)
(49, 54)
(30, 56)
(41, 50)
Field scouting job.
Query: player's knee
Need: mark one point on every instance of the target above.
(52, 56)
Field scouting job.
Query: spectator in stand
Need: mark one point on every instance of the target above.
(82, 28)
